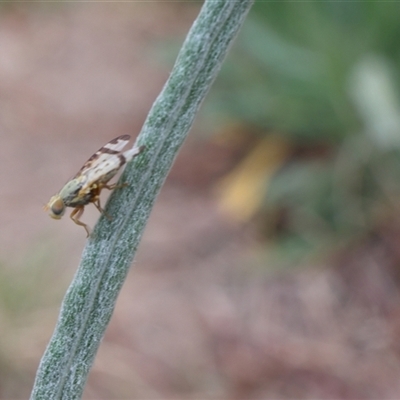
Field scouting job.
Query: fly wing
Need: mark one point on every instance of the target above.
(131, 153)
(103, 155)
(109, 165)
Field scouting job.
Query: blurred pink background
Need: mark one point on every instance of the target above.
(199, 316)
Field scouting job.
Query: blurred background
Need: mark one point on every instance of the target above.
(270, 267)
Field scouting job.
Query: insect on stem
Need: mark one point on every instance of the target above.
(85, 187)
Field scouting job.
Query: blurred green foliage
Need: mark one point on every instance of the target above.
(324, 75)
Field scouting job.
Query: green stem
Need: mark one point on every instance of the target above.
(90, 300)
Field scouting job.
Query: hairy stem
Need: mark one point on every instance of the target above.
(90, 300)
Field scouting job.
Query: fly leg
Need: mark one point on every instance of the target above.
(115, 186)
(75, 215)
(96, 202)
(101, 210)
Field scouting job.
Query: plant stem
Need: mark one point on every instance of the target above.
(90, 299)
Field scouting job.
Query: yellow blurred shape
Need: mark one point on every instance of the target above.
(241, 192)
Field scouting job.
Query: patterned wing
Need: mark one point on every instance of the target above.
(104, 164)
(112, 148)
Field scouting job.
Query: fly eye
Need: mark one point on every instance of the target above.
(57, 208)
